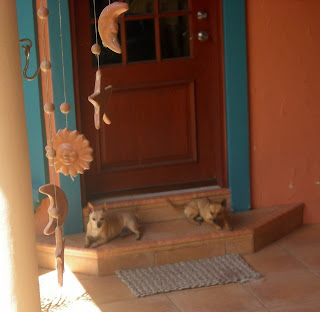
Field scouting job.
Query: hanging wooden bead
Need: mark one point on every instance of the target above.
(65, 108)
(43, 13)
(96, 49)
(45, 65)
(51, 153)
(49, 108)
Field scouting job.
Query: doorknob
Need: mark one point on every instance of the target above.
(202, 15)
(203, 36)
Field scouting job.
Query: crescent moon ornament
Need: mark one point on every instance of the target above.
(108, 25)
(57, 211)
(58, 207)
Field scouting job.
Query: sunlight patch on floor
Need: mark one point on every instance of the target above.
(71, 297)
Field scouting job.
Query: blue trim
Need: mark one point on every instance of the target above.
(235, 58)
(33, 103)
(72, 189)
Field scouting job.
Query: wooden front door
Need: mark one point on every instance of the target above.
(166, 108)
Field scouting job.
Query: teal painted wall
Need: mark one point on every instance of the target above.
(33, 102)
(72, 189)
(236, 86)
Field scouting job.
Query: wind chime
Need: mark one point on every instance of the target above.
(69, 152)
(108, 30)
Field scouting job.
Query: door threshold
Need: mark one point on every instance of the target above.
(153, 195)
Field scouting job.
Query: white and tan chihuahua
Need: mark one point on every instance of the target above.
(103, 227)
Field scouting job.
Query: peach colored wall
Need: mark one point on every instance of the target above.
(284, 102)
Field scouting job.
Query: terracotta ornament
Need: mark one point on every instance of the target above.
(65, 108)
(108, 25)
(73, 152)
(59, 254)
(100, 100)
(58, 207)
(57, 211)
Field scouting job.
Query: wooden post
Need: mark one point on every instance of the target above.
(18, 262)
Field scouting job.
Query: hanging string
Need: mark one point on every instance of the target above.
(95, 29)
(62, 55)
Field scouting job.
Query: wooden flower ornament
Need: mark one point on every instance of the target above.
(73, 152)
(108, 25)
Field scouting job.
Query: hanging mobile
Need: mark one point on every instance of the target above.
(67, 151)
(108, 30)
(73, 152)
(58, 207)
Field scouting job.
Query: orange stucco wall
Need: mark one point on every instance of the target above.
(284, 103)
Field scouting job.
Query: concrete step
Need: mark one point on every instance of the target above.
(174, 240)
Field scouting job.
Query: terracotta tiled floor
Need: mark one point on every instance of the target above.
(290, 283)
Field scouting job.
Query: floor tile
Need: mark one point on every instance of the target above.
(159, 303)
(308, 254)
(305, 307)
(306, 234)
(106, 289)
(272, 260)
(226, 298)
(278, 291)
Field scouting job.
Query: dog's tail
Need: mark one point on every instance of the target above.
(174, 206)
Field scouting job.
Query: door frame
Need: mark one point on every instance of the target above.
(236, 103)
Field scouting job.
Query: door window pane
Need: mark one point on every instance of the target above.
(140, 40)
(100, 5)
(174, 33)
(140, 6)
(107, 57)
(173, 5)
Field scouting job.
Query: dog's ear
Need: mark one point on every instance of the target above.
(224, 203)
(89, 207)
(104, 207)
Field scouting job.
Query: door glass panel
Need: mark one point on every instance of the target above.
(140, 40)
(174, 33)
(100, 5)
(107, 57)
(173, 5)
(140, 6)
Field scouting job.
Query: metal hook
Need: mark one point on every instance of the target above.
(27, 49)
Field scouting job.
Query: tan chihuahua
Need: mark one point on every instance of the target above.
(103, 227)
(202, 209)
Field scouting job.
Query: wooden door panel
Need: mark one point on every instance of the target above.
(154, 128)
(166, 108)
